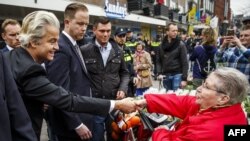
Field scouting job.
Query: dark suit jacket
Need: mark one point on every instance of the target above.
(15, 124)
(5, 49)
(2, 44)
(36, 89)
(67, 71)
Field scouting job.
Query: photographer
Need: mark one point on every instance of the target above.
(235, 53)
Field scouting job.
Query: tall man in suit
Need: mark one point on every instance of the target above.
(42, 30)
(14, 120)
(107, 68)
(11, 29)
(68, 70)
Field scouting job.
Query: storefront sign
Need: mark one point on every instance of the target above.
(115, 10)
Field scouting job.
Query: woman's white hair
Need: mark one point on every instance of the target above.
(34, 26)
(233, 83)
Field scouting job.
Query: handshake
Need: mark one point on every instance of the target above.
(129, 105)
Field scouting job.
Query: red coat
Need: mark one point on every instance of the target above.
(207, 125)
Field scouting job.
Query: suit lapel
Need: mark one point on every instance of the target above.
(76, 54)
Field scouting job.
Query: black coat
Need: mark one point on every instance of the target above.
(15, 124)
(107, 80)
(36, 89)
(67, 71)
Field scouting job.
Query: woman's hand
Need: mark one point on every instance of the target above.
(162, 127)
(135, 80)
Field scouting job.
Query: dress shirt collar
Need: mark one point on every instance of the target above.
(9, 48)
(70, 38)
(107, 47)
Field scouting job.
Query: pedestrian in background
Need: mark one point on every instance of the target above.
(120, 39)
(173, 64)
(203, 53)
(142, 66)
(235, 52)
(11, 29)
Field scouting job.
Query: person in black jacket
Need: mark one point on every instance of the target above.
(67, 70)
(14, 120)
(39, 41)
(107, 68)
(173, 60)
(120, 39)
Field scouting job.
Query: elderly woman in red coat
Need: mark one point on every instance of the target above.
(217, 103)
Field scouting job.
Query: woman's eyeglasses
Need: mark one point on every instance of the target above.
(204, 85)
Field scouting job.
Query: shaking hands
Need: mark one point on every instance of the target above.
(129, 105)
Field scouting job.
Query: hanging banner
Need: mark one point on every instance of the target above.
(214, 22)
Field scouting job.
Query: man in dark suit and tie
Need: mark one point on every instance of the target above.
(15, 123)
(39, 41)
(68, 70)
(11, 29)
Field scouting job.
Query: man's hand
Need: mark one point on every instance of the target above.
(45, 107)
(83, 132)
(226, 41)
(236, 41)
(120, 95)
(126, 105)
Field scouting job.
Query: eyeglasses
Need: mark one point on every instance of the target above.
(121, 36)
(204, 85)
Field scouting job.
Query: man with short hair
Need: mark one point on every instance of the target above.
(120, 39)
(173, 60)
(68, 70)
(11, 29)
(32, 80)
(107, 68)
(130, 40)
(238, 55)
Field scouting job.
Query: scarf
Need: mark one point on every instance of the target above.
(138, 55)
(166, 46)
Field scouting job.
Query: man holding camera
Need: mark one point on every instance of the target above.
(235, 52)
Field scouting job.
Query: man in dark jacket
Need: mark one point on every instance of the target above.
(120, 39)
(107, 68)
(31, 78)
(11, 29)
(173, 60)
(14, 120)
(67, 70)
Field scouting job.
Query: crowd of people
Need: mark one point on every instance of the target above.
(74, 83)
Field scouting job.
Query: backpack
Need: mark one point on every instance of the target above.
(207, 67)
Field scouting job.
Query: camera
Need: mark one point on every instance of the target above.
(230, 32)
